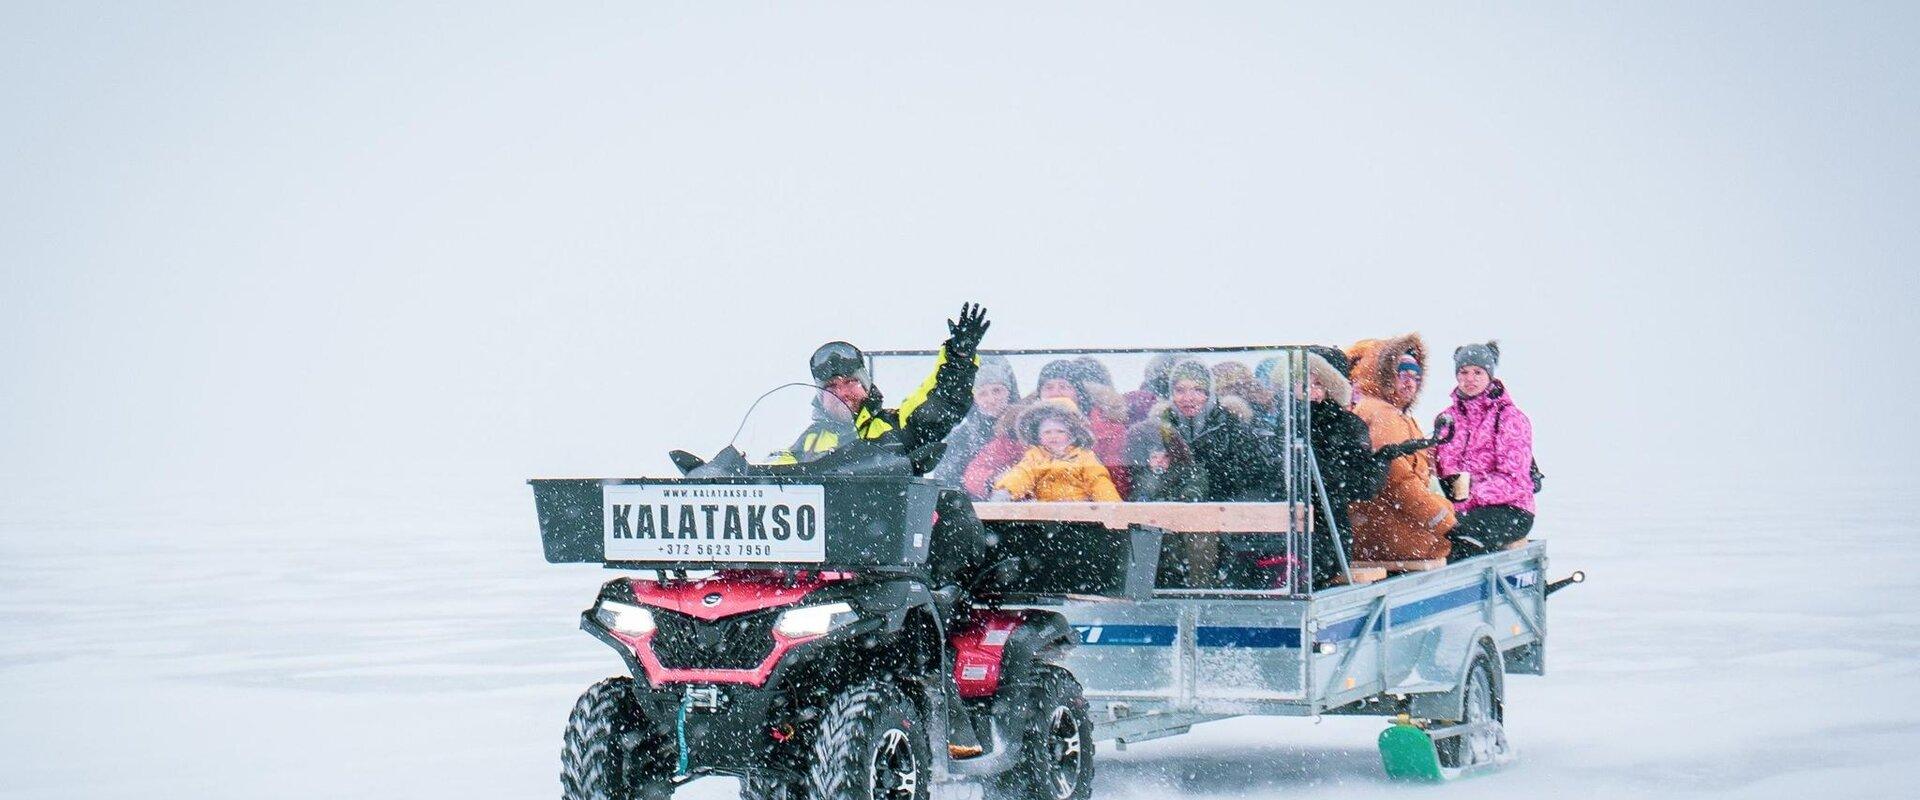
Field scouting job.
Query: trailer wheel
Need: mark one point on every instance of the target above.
(606, 754)
(871, 745)
(1480, 694)
(1056, 749)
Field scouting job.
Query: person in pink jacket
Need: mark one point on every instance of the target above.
(1485, 461)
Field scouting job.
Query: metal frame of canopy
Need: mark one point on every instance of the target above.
(1299, 476)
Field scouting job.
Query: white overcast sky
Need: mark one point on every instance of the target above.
(258, 244)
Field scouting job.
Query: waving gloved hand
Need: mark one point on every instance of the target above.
(963, 337)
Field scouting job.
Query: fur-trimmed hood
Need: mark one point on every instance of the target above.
(1107, 401)
(1153, 434)
(1233, 405)
(1094, 395)
(1060, 410)
(1236, 379)
(1374, 362)
(1008, 425)
(1339, 390)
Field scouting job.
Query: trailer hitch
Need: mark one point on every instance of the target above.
(1578, 576)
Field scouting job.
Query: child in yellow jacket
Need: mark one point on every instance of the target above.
(1059, 464)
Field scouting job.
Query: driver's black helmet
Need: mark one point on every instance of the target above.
(837, 360)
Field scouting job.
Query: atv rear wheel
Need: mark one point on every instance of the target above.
(607, 754)
(871, 745)
(1056, 749)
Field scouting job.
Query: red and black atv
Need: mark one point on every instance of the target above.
(783, 629)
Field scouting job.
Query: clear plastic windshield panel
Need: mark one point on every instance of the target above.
(1220, 425)
(793, 423)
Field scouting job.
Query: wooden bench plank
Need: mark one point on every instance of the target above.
(1170, 517)
(1420, 565)
(1363, 575)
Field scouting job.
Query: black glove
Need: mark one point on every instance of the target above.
(963, 337)
(1406, 448)
(1443, 429)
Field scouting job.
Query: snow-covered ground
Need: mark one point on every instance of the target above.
(1750, 643)
(287, 246)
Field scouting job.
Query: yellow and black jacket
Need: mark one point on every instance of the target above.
(926, 416)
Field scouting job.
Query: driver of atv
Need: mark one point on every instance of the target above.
(958, 550)
(926, 416)
(850, 405)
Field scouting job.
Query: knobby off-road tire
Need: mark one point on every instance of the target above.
(871, 745)
(1056, 748)
(762, 787)
(1480, 694)
(607, 753)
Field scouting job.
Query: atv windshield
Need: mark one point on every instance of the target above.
(803, 429)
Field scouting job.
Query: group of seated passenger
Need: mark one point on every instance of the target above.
(1198, 433)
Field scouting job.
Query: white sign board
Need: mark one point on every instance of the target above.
(684, 522)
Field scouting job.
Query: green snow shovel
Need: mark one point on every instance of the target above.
(1408, 754)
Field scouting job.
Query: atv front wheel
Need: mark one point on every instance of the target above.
(1056, 749)
(766, 787)
(871, 745)
(609, 752)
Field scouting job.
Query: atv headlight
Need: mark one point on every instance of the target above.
(814, 620)
(623, 617)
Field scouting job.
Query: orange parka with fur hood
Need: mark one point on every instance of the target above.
(1407, 520)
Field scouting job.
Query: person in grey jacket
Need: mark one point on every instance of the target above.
(994, 389)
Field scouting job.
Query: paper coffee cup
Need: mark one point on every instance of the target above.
(1462, 486)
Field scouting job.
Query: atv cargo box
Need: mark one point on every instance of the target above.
(817, 521)
(1041, 560)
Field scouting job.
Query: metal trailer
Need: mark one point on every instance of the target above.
(1430, 648)
(1398, 646)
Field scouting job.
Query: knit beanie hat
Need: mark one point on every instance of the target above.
(1068, 371)
(1232, 377)
(995, 369)
(1089, 370)
(1189, 370)
(1263, 372)
(1485, 356)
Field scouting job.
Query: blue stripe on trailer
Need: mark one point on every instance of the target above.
(1341, 631)
(1135, 635)
(1442, 602)
(1231, 636)
(1264, 637)
(1421, 609)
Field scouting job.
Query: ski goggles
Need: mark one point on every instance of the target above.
(836, 360)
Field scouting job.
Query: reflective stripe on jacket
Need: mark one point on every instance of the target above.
(926, 415)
